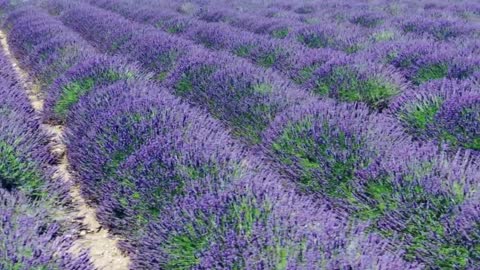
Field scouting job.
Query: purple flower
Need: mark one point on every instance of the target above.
(83, 18)
(445, 111)
(110, 123)
(349, 39)
(160, 171)
(93, 73)
(412, 196)
(42, 44)
(244, 96)
(323, 144)
(438, 28)
(31, 239)
(257, 224)
(354, 79)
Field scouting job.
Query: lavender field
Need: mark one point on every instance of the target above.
(239, 134)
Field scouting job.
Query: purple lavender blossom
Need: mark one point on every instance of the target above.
(323, 144)
(245, 97)
(328, 36)
(82, 18)
(413, 195)
(24, 158)
(43, 45)
(96, 72)
(421, 61)
(157, 52)
(160, 171)
(115, 121)
(438, 28)
(354, 79)
(30, 239)
(257, 224)
(445, 111)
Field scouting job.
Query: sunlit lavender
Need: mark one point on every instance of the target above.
(241, 134)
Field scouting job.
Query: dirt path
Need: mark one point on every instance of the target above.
(103, 247)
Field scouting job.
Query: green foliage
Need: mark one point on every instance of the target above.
(251, 124)
(350, 88)
(280, 33)
(383, 36)
(296, 145)
(262, 88)
(305, 74)
(474, 144)
(19, 173)
(419, 116)
(243, 51)
(377, 93)
(316, 41)
(431, 72)
(424, 212)
(245, 214)
(382, 197)
(72, 92)
(187, 81)
(175, 29)
(183, 249)
(267, 60)
(184, 85)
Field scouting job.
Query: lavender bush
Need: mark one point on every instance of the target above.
(31, 240)
(445, 111)
(358, 129)
(96, 72)
(115, 121)
(324, 144)
(243, 227)
(32, 234)
(354, 79)
(161, 171)
(43, 45)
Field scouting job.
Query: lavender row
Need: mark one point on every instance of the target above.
(350, 78)
(77, 67)
(374, 77)
(32, 239)
(172, 182)
(46, 48)
(345, 27)
(445, 111)
(339, 177)
(32, 236)
(184, 194)
(142, 156)
(417, 66)
(195, 74)
(346, 78)
(432, 18)
(174, 22)
(25, 158)
(415, 194)
(412, 31)
(247, 98)
(295, 61)
(418, 21)
(417, 60)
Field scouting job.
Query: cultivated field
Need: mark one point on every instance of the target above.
(239, 134)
